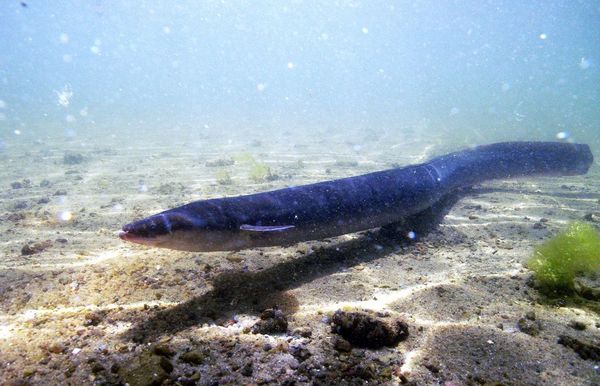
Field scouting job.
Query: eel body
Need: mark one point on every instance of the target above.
(332, 208)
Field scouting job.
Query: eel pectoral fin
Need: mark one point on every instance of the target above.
(261, 228)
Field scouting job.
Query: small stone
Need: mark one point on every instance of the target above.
(193, 357)
(593, 217)
(530, 315)
(247, 370)
(272, 321)
(163, 350)
(56, 348)
(584, 350)
(71, 158)
(364, 330)
(166, 364)
(342, 345)
(97, 367)
(529, 327)
(577, 325)
(33, 248)
(304, 332)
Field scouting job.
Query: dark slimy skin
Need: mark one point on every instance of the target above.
(332, 208)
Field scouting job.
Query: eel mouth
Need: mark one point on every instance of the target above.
(131, 237)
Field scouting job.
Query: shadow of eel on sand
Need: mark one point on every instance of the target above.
(252, 292)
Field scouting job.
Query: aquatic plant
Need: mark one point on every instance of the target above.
(556, 262)
(223, 177)
(259, 172)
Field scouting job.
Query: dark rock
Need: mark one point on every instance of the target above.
(342, 345)
(45, 183)
(164, 350)
(20, 205)
(146, 369)
(301, 353)
(247, 370)
(33, 248)
(529, 327)
(97, 368)
(43, 200)
(577, 325)
(60, 192)
(530, 315)
(584, 350)
(272, 321)
(364, 330)
(193, 357)
(71, 158)
(593, 217)
(166, 364)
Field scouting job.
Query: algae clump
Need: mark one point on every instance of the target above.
(576, 250)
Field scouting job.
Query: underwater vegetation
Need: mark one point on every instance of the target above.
(223, 177)
(258, 171)
(556, 262)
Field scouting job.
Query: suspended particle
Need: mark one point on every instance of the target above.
(65, 216)
(411, 235)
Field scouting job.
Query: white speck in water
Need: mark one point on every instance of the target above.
(584, 64)
(261, 87)
(67, 58)
(324, 36)
(65, 216)
(490, 341)
(76, 351)
(365, 30)
(411, 235)
(83, 112)
(70, 133)
(64, 96)
(17, 132)
(95, 50)
(357, 148)
(505, 86)
(290, 65)
(158, 267)
(562, 135)
(118, 208)
(70, 118)
(543, 36)
(2, 104)
(63, 38)
(167, 29)
(454, 111)
(142, 188)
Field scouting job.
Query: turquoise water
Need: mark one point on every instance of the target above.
(477, 71)
(111, 111)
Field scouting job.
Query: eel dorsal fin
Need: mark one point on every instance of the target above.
(261, 228)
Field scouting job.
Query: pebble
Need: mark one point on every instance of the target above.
(342, 345)
(577, 325)
(193, 357)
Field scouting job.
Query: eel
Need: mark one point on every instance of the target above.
(332, 208)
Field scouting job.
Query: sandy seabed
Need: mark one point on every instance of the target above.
(79, 306)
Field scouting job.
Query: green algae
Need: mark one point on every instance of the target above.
(556, 262)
